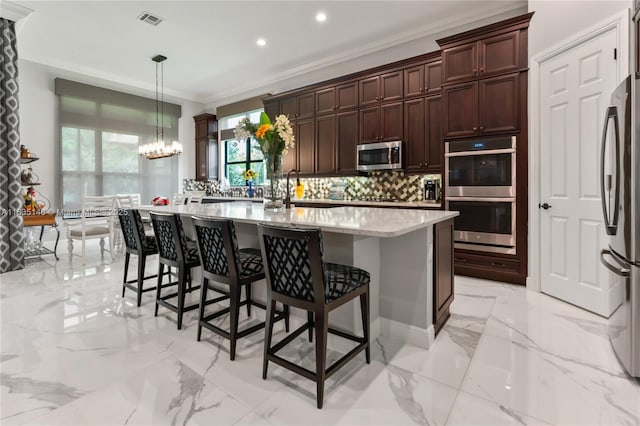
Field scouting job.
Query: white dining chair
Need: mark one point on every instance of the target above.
(96, 221)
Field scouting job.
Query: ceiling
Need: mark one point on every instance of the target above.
(211, 45)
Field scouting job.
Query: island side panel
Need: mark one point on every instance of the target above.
(363, 252)
(443, 272)
(406, 289)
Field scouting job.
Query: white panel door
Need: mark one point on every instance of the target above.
(575, 87)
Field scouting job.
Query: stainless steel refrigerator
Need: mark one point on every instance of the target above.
(620, 190)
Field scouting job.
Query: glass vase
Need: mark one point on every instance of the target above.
(273, 193)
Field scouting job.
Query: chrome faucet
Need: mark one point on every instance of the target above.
(287, 200)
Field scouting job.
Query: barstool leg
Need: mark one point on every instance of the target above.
(160, 275)
(271, 307)
(364, 308)
(234, 311)
(248, 291)
(322, 329)
(142, 260)
(286, 318)
(126, 270)
(203, 302)
(182, 286)
(310, 325)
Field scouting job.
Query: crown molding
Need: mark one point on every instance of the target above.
(13, 11)
(251, 87)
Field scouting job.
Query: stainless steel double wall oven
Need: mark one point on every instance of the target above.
(481, 185)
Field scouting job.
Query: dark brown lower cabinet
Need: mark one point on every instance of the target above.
(442, 272)
(494, 267)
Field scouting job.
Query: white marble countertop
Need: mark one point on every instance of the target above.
(367, 221)
(397, 204)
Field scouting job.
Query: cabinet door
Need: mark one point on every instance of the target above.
(391, 122)
(347, 139)
(369, 91)
(460, 104)
(272, 109)
(391, 86)
(433, 119)
(202, 128)
(347, 96)
(442, 272)
(414, 134)
(370, 125)
(326, 100)
(498, 106)
(460, 63)
(289, 107)
(433, 77)
(499, 54)
(305, 137)
(325, 144)
(414, 81)
(306, 105)
(202, 158)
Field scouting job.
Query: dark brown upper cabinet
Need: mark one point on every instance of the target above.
(304, 130)
(326, 144)
(381, 124)
(272, 109)
(489, 56)
(337, 98)
(381, 88)
(206, 146)
(480, 107)
(336, 143)
(423, 79)
(298, 107)
(423, 134)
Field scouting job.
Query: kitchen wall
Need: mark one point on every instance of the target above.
(38, 120)
(555, 21)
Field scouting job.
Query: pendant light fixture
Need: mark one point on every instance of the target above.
(159, 149)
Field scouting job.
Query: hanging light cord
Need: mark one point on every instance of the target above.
(157, 109)
(162, 99)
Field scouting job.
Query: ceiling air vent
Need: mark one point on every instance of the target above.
(150, 18)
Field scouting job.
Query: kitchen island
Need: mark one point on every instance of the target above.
(408, 253)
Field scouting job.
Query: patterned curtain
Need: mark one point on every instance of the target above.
(11, 236)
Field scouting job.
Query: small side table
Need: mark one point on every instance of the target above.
(42, 220)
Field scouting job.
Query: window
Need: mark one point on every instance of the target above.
(241, 155)
(100, 131)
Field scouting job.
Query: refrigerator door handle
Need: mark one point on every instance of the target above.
(611, 225)
(623, 272)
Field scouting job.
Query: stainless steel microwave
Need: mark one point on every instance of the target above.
(380, 156)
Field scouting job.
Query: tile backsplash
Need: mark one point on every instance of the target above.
(394, 185)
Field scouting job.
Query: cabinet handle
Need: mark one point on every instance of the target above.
(481, 128)
(475, 72)
(498, 264)
(460, 259)
(421, 89)
(481, 69)
(475, 129)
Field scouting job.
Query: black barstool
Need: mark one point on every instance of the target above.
(223, 262)
(139, 244)
(174, 251)
(298, 276)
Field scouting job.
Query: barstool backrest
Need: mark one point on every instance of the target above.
(218, 248)
(128, 229)
(293, 261)
(170, 237)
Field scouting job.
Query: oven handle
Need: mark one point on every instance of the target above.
(496, 199)
(487, 152)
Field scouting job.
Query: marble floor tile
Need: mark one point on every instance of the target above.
(73, 351)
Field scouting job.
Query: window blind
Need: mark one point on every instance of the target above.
(99, 134)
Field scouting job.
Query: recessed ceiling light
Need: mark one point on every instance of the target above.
(321, 17)
(261, 42)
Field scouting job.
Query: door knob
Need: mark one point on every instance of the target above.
(545, 206)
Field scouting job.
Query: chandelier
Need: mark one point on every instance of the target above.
(159, 149)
